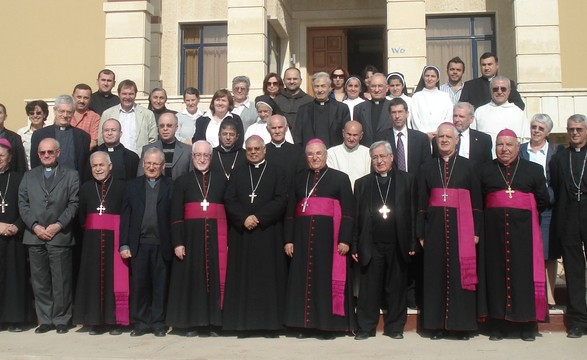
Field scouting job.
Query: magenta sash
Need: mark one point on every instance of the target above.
(193, 210)
(121, 285)
(460, 199)
(526, 201)
(330, 207)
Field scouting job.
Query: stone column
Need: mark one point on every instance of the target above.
(247, 42)
(406, 38)
(128, 41)
(538, 57)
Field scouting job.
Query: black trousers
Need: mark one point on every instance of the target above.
(384, 277)
(573, 243)
(148, 297)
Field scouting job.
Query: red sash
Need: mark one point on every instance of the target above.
(330, 207)
(194, 210)
(121, 285)
(526, 201)
(460, 199)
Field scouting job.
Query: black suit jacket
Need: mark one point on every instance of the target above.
(403, 210)
(362, 114)
(477, 93)
(81, 143)
(418, 148)
(18, 161)
(480, 146)
(133, 209)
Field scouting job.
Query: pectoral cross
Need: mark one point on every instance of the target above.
(253, 196)
(304, 205)
(579, 193)
(101, 209)
(3, 205)
(204, 205)
(509, 191)
(444, 196)
(384, 211)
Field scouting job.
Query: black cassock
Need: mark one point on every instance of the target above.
(256, 276)
(15, 290)
(508, 244)
(94, 296)
(194, 287)
(309, 290)
(226, 161)
(446, 305)
(322, 120)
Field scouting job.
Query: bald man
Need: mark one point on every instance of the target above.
(350, 157)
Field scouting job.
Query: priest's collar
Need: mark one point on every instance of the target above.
(104, 182)
(153, 182)
(513, 162)
(377, 102)
(63, 128)
(113, 148)
(386, 174)
(278, 145)
(2, 172)
(322, 102)
(578, 149)
(226, 149)
(106, 95)
(257, 165)
(319, 170)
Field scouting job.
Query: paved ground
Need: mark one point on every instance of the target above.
(79, 345)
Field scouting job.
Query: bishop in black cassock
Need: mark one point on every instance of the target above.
(102, 292)
(318, 233)
(515, 191)
(449, 224)
(199, 237)
(256, 198)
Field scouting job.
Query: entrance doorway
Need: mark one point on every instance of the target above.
(352, 48)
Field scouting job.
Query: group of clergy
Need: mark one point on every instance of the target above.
(267, 245)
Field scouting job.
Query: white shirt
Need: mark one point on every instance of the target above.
(354, 162)
(465, 140)
(186, 124)
(404, 132)
(539, 157)
(430, 108)
(213, 128)
(260, 128)
(491, 119)
(128, 125)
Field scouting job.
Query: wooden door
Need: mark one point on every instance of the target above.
(327, 49)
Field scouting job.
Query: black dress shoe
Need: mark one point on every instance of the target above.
(527, 335)
(191, 333)
(138, 332)
(303, 335)
(115, 331)
(159, 332)
(43, 328)
(97, 330)
(62, 329)
(496, 335)
(14, 328)
(364, 335)
(463, 335)
(271, 335)
(575, 333)
(396, 335)
(437, 335)
(326, 335)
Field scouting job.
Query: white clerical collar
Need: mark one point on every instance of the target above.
(383, 175)
(226, 149)
(258, 164)
(278, 145)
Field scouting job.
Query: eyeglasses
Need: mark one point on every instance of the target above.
(201, 155)
(272, 83)
(149, 164)
(32, 113)
(47, 152)
(239, 88)
(379, 157)
(162, 126)
(64, 112)
(338, 76)
(499, 89)
(579, 130)
(538, 127)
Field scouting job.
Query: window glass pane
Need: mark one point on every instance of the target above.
(191, 35)
(215, 34)
(483, 26)
(214, 76)
(441, 51)
(448, 27)
(274, 51)
(190, 68)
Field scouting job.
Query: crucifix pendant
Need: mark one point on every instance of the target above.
(384, 210)
(3, 205)
(204, 204)
(253, 196)
(444, 196)
(304, 205)
(509, 191)
(101, 209)
(579, 193)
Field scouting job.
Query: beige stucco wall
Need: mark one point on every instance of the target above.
(48, 49)
(572, 42)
